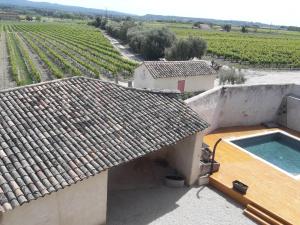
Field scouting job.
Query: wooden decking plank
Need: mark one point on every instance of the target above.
(269, 188)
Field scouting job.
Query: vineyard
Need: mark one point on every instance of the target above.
(265, 48)
(43, 51)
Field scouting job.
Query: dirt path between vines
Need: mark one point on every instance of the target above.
(45, 75)
(125, 51)
(6, 80)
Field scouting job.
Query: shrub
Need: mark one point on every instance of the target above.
(231, 76)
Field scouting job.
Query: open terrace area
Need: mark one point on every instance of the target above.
(162, 205)
(272, 194)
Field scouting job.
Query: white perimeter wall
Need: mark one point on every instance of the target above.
(242, 105)
(143, 79)
(293, 113)
(84, 203)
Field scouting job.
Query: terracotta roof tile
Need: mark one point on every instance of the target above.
(165, 69)
(56, 133)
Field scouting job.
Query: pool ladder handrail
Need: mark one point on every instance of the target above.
(213, 156)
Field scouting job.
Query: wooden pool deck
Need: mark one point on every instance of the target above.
(273, 197)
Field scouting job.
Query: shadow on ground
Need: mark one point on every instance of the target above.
(163, 205)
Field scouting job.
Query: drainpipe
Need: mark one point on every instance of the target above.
(213, 156)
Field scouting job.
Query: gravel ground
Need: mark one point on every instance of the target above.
(269, 77)
(273, 77)
(174, 206)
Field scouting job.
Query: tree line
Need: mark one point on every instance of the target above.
(152, 43)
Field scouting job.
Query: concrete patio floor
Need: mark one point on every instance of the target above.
(163, 205)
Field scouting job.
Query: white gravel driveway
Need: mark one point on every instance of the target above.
(272, 77)
(269, 77)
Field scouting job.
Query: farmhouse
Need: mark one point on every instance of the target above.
(60, 140)
(184, 76)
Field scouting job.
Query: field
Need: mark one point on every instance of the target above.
(43, 51)
(261, 47)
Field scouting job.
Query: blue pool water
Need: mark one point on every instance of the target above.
(276, 148)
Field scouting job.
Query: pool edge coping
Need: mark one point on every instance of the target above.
(235, 138)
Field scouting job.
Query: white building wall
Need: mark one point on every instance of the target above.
(192, 83)
(84, 203)
(242, 105)
(186, 157)
(143, 79)
(293, 113)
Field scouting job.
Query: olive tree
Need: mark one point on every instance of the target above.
(155, 42)
(227, 27)
(151, 44)
(136, 37)
(244, 29)
(185, 49)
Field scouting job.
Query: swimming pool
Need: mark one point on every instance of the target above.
(279, 149)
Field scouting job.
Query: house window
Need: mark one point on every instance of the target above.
(181, 85)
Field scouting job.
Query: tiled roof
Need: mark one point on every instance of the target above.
(57, 133)
(165, 69)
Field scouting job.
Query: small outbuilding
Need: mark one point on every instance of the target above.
(60, 139)
(184, 76)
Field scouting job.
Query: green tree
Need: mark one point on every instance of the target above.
(136, 36)
(197, 24)
(126, 25)
(155, 42)
(119, 29)
(244, 29)
(186, 49)
(98, 21)
(29, 18)
(227, 27)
